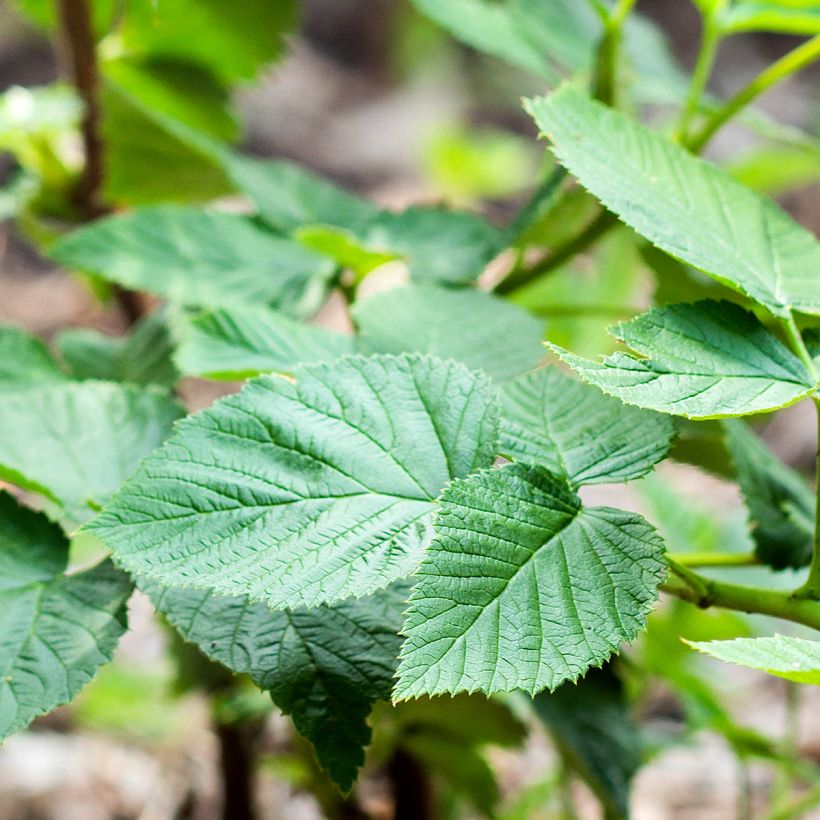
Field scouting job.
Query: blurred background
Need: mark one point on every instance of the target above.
(374, 96)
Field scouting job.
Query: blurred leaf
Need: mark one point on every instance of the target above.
(43, 14)
(703, 444)
(782, 16)
(590, 724)
(199, 258)
(775, 170)
(235, 343)
(343, 247)
(794, 659)
(25, 361)
(36, 113)
(780, 502)
(233, 42)
(56, 630)
(143, 357)
(481, 331)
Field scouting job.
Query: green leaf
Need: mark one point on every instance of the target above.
(239, 342)
(574, 430)
(143, 357)
(232, 42)
(591, 726)
(25, 361)
(704, 360)
(523, 588)
(199, 258)
(56, 630)
(303, 492)
(477, 329)
(344, 247)
(794, 659)
(76, 443)
(781, 504)
(783, 16)
(324, 666)
(687, 207)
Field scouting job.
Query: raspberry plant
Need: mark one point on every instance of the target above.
(398, 513)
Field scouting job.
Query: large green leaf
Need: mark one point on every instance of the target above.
(25, 361)
(142, 357)
(308, 491)
(703, 360)
(686, 206)
(235, 343)
(478, 329)
(574, 430)
(199, 258)
(795, 659)
(523, 588)
(77, 442)
(591, 726)
(324, 666)
(781, 504)
(56, 630)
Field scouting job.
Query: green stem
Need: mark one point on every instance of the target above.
(811, 589)
(798, 346)
(710, 39)
(789, 64)
(715, 559)
(604, 84)
(541, 202)
(707, 592)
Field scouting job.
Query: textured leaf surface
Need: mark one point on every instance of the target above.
(239, 342)
(324, 666)
(686, 206)
(25, 361)
(56, 630)
(522, 588)
(704, 360)
(795, 659)
(301, 493)
(199, 258)
(143, 357)
(574, 430)
(780, 502)
(591, 726)
(482, 331)
(77, 442)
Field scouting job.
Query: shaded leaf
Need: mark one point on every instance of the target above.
(574, 430)
(25, 361)
(523, 588)
(56, 630)
(704, 360)
(306, 492)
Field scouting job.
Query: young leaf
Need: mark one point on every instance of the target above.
(781, 504)
(143, 357)
(704, 360)
(523, 588)
(574, 430)
(794, 659)
(325, 666)
(56, 630)
(591, 726)
(25, 361)
(76, 443)
(235, 343)
(686, 206)
(480, 330)
(306, 492)
(199, 258)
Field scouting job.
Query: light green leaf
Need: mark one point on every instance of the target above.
(523, 588)
(236, 343)
(324, 666)
(590, 723)
(56, 630)
(25, 361)
(781, 504)
(794, 659)
(480, 330)
(344, 247)
(199, 258)
(142, 357)
(306, 492)
(576, 431)
(77, 442)
(704, 360)
(686, 206)
(783, 16)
